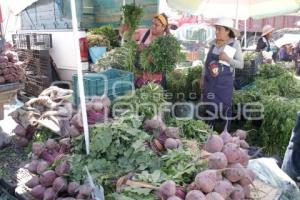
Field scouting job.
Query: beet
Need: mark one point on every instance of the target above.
(174, 198)
(214, 144)
(38, 148)
(238, 193)
(63, 168)
(217, 160)
(214, 196)
(171, 143)
(244, 157)
(195, 195)
(20, 131)
(193, 186)
(41, 167)
(77, 120)
(235, 173)
(236, 140)
(206, 180)
(226, 137)
(60, 184)
(172, 132)
(241, 134)
(97, 106)
(159, 147)
(50, 194)
(51, 144)
(105, 101)
(247, 191)
(244, 144)
(74, 132)
(179, 143)
(180, 192)
(34, 181)
(85, 190)
(38, 191)
(46, 156)
(32, 166)
(65, 145)
(150, 124)
(167, 189)
(224, 188)
(21, 141)
(248, 178)
(232, 152)
(47, 178)
(73, 187)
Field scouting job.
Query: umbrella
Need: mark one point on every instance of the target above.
(236, 9)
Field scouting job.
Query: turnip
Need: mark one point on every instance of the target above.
(226, 137)
(235, 173)
(174, 198)
(63, 168)
(41, 167)
(195, 195)
(73, 187)
(20, 131)
(32, 166)
(214, 144)
(238, 193)
(38, 191)
(38, 148)
(171, 143)
(217, 160)
(34, 181)
(74, 132)
(247, 191)
(85, 190)
(51, 144)
(50, 194)
(21, 141)
(236, 140)
(206, 180)
(60, 184)
(214, 196)
(224, 188)
(172, 132)
(241, 134)
(167, 189)
(232, 152)
(47, 178)
(244, 144)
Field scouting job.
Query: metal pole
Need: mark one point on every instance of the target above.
(80, 77)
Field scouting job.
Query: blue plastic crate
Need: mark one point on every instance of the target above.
(112, 82)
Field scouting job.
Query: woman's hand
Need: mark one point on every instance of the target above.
(223, 56)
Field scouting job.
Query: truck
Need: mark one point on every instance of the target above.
(54, 17)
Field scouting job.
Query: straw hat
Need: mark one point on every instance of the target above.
(228, 23)
(267, 29)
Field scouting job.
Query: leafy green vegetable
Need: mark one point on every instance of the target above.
(108, 33)
(161, 55)
(132, 16)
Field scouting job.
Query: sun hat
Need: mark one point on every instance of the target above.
(228, 23)
(267, 29)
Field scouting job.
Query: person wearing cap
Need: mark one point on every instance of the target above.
(224, 56)
(263, 45)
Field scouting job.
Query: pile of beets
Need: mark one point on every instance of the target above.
(227, 175)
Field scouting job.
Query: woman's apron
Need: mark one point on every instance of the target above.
(218, 89)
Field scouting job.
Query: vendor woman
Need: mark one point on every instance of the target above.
(224, 56)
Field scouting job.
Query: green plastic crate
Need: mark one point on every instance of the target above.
(112, 82)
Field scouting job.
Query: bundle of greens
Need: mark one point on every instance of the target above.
(108, 33)
(132, 17)
(161, 55)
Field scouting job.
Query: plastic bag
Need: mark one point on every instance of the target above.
(267, 170)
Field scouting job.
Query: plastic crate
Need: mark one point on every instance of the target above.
(34, 85)
(32, 41)
(112, 82)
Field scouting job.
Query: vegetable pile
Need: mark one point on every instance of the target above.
(11, 70)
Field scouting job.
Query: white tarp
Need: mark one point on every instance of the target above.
(288, 39)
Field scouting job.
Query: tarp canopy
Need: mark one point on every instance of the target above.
(236, 9)
(15, 6)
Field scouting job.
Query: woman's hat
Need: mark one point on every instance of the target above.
(228, 23)
(267, 29)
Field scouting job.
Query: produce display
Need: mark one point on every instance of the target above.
(132, 15)
(108, 34)
(11, 70)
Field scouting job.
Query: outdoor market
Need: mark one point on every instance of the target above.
(149, 100)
